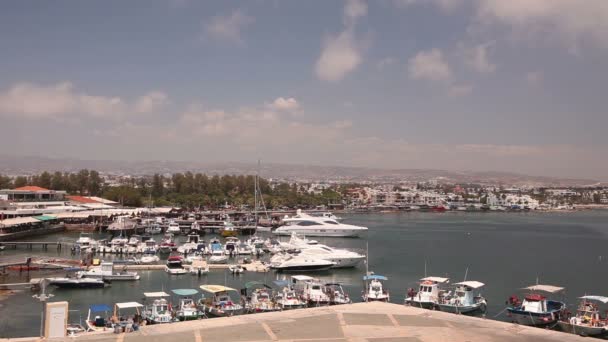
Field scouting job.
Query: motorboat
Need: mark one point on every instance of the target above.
(287, 298)
(536, 309)
(195, 227)
(260, 299)
(192, 258)
(98, 322)
(174, 266)
(76, 282)
(219, 303)
(236, 269)
(173, 228)
(374, 289)
(588, 320)
(187, 310)
(158, 311)
(428, 294)
(308, 225)
(190, 245)
(463, 300)
(154, 228)
(150, 247)
(199, 268)
(228, 229)
(244, 248)
(336, 294)
(84, 242)
(311, 290)
(342, 258)
(167, 244)
(149, 259)
(230, 246)
(331, 216)
(217, 253)
(301, 263)
(106, 271)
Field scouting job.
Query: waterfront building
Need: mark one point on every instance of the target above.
(32, 194)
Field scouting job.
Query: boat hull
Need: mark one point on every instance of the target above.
(303, 268)
(581, 329)
(532, 318)
(214, 312)
(321, 232)
(420, 304)
(81, 285)
(462, 309)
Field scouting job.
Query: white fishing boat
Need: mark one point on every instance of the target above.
(260, 298)
(150, 247)
(588, 320)
(98, 322)
(230, 246)
(106, 271)
(174, 266)
(287, 298)
(337, 295)
(536, 309)
(236, 269)
(463, 300)
(428, 294)
(158, 310)
(220, 303)
(374, 289)
(310, 289)
(308, 225)
(301, 263)
(85, 242)
(187, 310)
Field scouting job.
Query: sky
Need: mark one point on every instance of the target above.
(517, 86)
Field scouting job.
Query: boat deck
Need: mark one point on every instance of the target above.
(377, 322)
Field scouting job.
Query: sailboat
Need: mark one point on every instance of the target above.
(259, 198)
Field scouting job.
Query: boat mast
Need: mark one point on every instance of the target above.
(366, 258)
(256, 186)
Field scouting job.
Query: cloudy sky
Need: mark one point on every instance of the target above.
(518, 85)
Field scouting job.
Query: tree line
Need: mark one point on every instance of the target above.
(188, 190)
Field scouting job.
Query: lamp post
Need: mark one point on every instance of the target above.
(43, 297)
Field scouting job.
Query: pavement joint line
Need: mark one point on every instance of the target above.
(268, 331)
(393, 320)
(197, 336)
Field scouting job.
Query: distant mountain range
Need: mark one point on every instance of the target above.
(17, 165)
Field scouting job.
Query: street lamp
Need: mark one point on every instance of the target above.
(43, 297)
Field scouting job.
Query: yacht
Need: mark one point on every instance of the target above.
(342, 258)
(301, 263)
(85, 242)
(173, 228)
(106, 271)
(309, 225)
(428, 293)
(174, 266)
(464, 300)
(536, 309)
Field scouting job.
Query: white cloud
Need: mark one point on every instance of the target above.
(458, 90)
(385, 62)
(477, 58)
(284, 104)
(340, 56)
(60, 100)
(571, 22)
(228, 27)
(353, 10)
(430, 66)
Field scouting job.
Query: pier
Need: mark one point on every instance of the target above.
(375, 321)
(30, 244)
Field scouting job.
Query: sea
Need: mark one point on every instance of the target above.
(507, 251)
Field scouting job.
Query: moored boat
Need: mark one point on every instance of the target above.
(374, 289)
(463, 300)
(536, 309)
(587, 321)
(187, 310)
(220, 302)
(98, 322)
(158, 310)
(174, 265)
(428, 294)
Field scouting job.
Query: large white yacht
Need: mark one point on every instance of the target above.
(341, 257)
(308, 225)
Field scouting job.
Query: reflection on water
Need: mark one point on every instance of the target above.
(507, 251)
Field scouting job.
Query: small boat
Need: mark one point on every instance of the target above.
(159, 310)
(77, 283)
(287, 298)
(311, 290)
(217, 253)
(302, 263)
(220, 303)
(173, 228)
(230, 246)
(428, 293)
(228, 230)
(150, 247)
(236, 269)
(154, 229)
(463, 300)
(98, 322)
(84, 243)
(106, 271)
(195, 227)
(260, 299)
(536, 309)
(187, 310)
(174, 266)
(588, 320)
(167, 244)
(190, 246)
(149, 259)
(374, 289)
(199, 268)
(336, 294)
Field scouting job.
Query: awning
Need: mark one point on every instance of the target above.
(100, 308)
(302, 277)
(375, 276)
(129, 305)
(45, 217)
(17, 221)
(435, 279)
(216, 288)
(472, 284)
(544, 288)
(156, 294)
(185, 292)
(598, 298)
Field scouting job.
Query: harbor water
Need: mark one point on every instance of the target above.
(506, 251)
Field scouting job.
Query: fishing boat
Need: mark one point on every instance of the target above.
(98, 322)
(428, 294)
(106, 271)
(186, 310)
(150, 247)
(310, 289)
(158, 311)
(374, 289)
(536, 309)
(287, 298)
(190, 246)
(260, 299)
(174, 265)
(236, 269)
(464, 300)
(219, 303)
(587, 321)
(336, 294)
(76, 282)
(167, 244)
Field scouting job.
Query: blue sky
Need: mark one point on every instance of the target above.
(451, 84)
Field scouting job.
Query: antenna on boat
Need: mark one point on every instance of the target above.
(466, 272)
(425, 268)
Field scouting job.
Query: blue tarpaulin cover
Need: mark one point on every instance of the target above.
(100, 308)
(375, 276)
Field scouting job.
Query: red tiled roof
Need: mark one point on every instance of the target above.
(31, 188)
(81, 199)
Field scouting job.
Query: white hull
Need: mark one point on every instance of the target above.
(320, 232)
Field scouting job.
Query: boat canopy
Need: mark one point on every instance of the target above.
(598, 298)
(302, 277)
(216, 288)
(544, 288)
(251, 284)
(129, 305)
(100, 308)
(471, 283)
(185, 292)
(375, 276)
(156, 294)
(281, 282)
(435, 279)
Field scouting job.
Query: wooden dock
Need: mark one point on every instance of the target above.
(30, 244)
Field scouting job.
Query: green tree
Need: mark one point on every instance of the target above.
(20, 181)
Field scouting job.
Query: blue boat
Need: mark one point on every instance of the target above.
(536, 310)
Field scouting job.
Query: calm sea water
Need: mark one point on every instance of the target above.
(507, 251)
